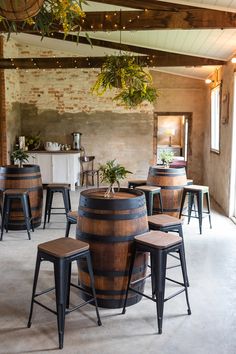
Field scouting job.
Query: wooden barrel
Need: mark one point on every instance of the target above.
(109, 226)
(171, 181)
(28, 177)
(15, 10)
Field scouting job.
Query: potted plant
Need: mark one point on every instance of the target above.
(44, 19)
(19, 156)
(32, 142)
(112, 172)
(122, 72)
(166, 157)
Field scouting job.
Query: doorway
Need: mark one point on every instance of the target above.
(172, 132)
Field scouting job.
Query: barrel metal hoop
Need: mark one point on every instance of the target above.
(112, 216)
(15, 169)
(84, 236)
(172, 187)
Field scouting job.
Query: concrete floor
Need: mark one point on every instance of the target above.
(211, 260)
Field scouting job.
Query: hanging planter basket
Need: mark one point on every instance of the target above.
(19, 10)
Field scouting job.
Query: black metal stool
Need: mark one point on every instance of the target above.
(56, 188)
(9, 196)
(149, 192)
(61, 252)
(71, 219)
(159, 245)
(136, 182)
(199, 192)
(166, 223)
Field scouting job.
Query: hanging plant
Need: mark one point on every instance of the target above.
(123, 73)
(67, 13)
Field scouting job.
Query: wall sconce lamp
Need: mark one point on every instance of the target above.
(209, 81)
(233, 60)
(170, 132)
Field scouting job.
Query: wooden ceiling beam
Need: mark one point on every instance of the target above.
(174, 59)
(163, 59)
(196, 18)
(147, 4)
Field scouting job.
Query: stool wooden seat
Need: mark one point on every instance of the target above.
(62, 252)
(159, 245)
(64, 189)
(12, 195)
(150, 192)
(136, 182)
(198, 191)
(71, 219)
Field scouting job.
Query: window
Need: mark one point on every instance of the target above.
(215, 119)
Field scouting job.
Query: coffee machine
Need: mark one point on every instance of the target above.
(76, 140)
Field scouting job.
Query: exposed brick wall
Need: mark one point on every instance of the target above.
(58, 102)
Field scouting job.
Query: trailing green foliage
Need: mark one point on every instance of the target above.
(123, 73)
(112, 172)
(67, 13)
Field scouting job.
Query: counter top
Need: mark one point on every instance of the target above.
(54, 152)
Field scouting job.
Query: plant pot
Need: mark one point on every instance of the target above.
(16, 10)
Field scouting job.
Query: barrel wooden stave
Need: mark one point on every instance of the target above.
(28, 177)
(111, 241)
(171, 181)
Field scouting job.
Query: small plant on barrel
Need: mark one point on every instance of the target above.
(19, 156)
(112, 172)
(166, 157)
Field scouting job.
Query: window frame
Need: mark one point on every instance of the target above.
(217, 120)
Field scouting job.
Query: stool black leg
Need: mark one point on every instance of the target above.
(68, 286)
(208, 208)
(149, 202)
(36, 274)
(50, 198)
(30, 213)
(190, 205)
(159, 271)
(184, 273)
(90, 269)
(4, 211)
(46, 209)
(160, 201)
(61, 283)
(26, 214)
(182, 203)
(129, 278)
(200, 208)
(66, 199)
(68, 223)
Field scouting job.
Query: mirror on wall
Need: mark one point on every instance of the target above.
(171, 132)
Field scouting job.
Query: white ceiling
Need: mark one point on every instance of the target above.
(217, 43)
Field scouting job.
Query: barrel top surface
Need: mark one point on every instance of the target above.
(149, 188)
(167, 169)
(63, 247)
(123, 193)
(158, 239)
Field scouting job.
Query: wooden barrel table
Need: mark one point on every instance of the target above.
(109, 226)
(171, 181)
(26, 177)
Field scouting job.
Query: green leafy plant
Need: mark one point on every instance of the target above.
(166, 157)
(112, 172)
(123, 73)
(19, 156)
(67, 13)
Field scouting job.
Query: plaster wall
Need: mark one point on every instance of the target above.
(58, 102)
(217, 167)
